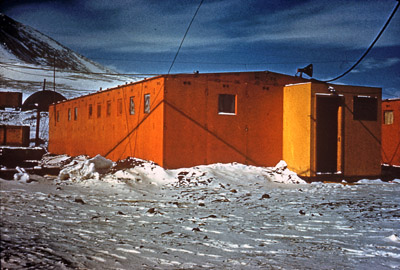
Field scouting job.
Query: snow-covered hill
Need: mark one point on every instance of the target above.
(27, 57)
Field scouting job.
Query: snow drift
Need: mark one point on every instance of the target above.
(133, 169)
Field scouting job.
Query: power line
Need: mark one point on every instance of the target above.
(370, 47)
(187, 30)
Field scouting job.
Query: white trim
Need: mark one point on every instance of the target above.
(326, 94)
(226, 113)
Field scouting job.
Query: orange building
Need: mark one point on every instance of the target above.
(254, 118)
(391, 132)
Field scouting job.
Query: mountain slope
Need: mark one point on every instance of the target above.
(27, 57)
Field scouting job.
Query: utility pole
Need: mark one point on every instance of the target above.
(54, 72)
(37, 125)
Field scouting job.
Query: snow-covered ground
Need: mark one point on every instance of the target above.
(136, 215)
(28, 79)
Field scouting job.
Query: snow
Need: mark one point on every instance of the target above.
(86, 169)
(29, 78)
(21, 176)
(82, 168)
(369, 181)
(394, 238)
(137, 215)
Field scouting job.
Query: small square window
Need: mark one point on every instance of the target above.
(365, 108)
(388, 117)
(75, 113)
(131, 106)
(98, 110)
(147, 103)
(90, 111)
(226, 104)
(108, 107)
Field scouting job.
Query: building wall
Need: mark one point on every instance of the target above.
(196, 133)
(391, 132)
(359, 153)
(10, 99)
(11, 135)
(110, 130)
(361, 138)
(185, 128)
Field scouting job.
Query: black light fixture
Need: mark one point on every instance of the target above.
(307, 70)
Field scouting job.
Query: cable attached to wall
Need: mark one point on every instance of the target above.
(370, 47)
(183, 39)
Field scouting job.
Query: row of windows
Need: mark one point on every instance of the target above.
(146, 108)
(364, 108)
(226, 105)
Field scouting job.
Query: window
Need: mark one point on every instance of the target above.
(388, 117)
(90, 111)
(365, 108)
(147, 103)
(98, 110)
(69, 114)
(226, 104)
(108, 107)
(75, 113)
(58, 116)
(119, 106)
(131, 106)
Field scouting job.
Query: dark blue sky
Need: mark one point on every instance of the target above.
(143, 36)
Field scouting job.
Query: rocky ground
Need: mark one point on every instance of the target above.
(235, 217)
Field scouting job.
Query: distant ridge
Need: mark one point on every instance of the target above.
(32, 47)
(27, 57)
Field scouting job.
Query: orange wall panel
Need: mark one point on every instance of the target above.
(362, 139)
(391, 133)
(196, 133)
(14, 135)
(110, 130)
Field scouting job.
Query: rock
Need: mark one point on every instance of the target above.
(265, 196)
(302, 212)
(152, 210)
(79, 200)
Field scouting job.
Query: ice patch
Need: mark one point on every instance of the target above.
(368, 181)
(81, 169)
(134, 251)
(393, 238)
(21, 175)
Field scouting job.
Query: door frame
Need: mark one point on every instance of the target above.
(339, 136)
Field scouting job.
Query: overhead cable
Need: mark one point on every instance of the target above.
(187, 30)
(370, 47)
